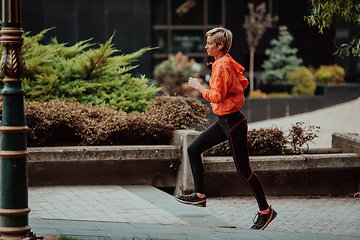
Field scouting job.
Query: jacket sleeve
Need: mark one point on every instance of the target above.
(218, 85)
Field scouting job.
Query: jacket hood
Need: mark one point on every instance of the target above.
(238, 69)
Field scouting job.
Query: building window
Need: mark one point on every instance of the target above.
(180, 25)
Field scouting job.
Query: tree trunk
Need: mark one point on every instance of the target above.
(251, 70)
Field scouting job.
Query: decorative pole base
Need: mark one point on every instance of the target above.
(14, 209)
(14, 232)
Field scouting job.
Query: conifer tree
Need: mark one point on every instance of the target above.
(84, 73)
(282, 58)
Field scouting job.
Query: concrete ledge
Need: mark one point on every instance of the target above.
(155, 165)
(349, 142)
(286, 163)
(324, 150)
(105, 153)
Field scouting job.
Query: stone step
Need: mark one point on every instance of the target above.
(286, 162)
(105, 153)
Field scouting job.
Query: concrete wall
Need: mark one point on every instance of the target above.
(349, 142)
(298, 175)
(326, 172)
(332, 171)
(153, 165)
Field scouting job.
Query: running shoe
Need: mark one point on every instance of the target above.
(263, 219)
(192, 199)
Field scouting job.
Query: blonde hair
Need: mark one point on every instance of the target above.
(221, 35)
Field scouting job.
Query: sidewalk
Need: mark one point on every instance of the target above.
(344, 117)
(144, 212)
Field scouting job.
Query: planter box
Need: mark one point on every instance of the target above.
(338, 93)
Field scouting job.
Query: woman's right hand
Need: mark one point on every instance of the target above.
(194, 83)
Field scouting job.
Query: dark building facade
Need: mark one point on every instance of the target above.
(180, 25)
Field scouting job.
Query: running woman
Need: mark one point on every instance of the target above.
(226, 97)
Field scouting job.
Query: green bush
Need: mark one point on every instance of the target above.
(282, 58)
(330, 74)
(84, 73)
(303, 80)
(257, 94)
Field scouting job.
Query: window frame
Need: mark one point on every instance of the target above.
(169, 28)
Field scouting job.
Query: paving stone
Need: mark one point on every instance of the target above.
(144, 211)
(325, 215)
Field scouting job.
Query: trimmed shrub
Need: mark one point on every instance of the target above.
(260, 141)
(303, 79)
(270, 141)
(330, 74)
(179, 112)
(279, 95)
(54, 123)
(257, 94)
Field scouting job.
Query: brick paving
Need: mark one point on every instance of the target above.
(95, 203)
(322, 215)
(144, 211)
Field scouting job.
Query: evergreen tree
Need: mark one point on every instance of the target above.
(84, 73)
(282, 58)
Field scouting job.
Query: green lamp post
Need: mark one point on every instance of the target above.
(14, 209)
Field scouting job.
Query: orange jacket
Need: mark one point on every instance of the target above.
(227, 86)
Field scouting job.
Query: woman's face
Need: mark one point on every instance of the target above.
(211, 48)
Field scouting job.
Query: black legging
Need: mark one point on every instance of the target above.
(231, 127)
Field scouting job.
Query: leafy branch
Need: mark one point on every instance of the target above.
(100, 57)
(322, 15)
(354, 47)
